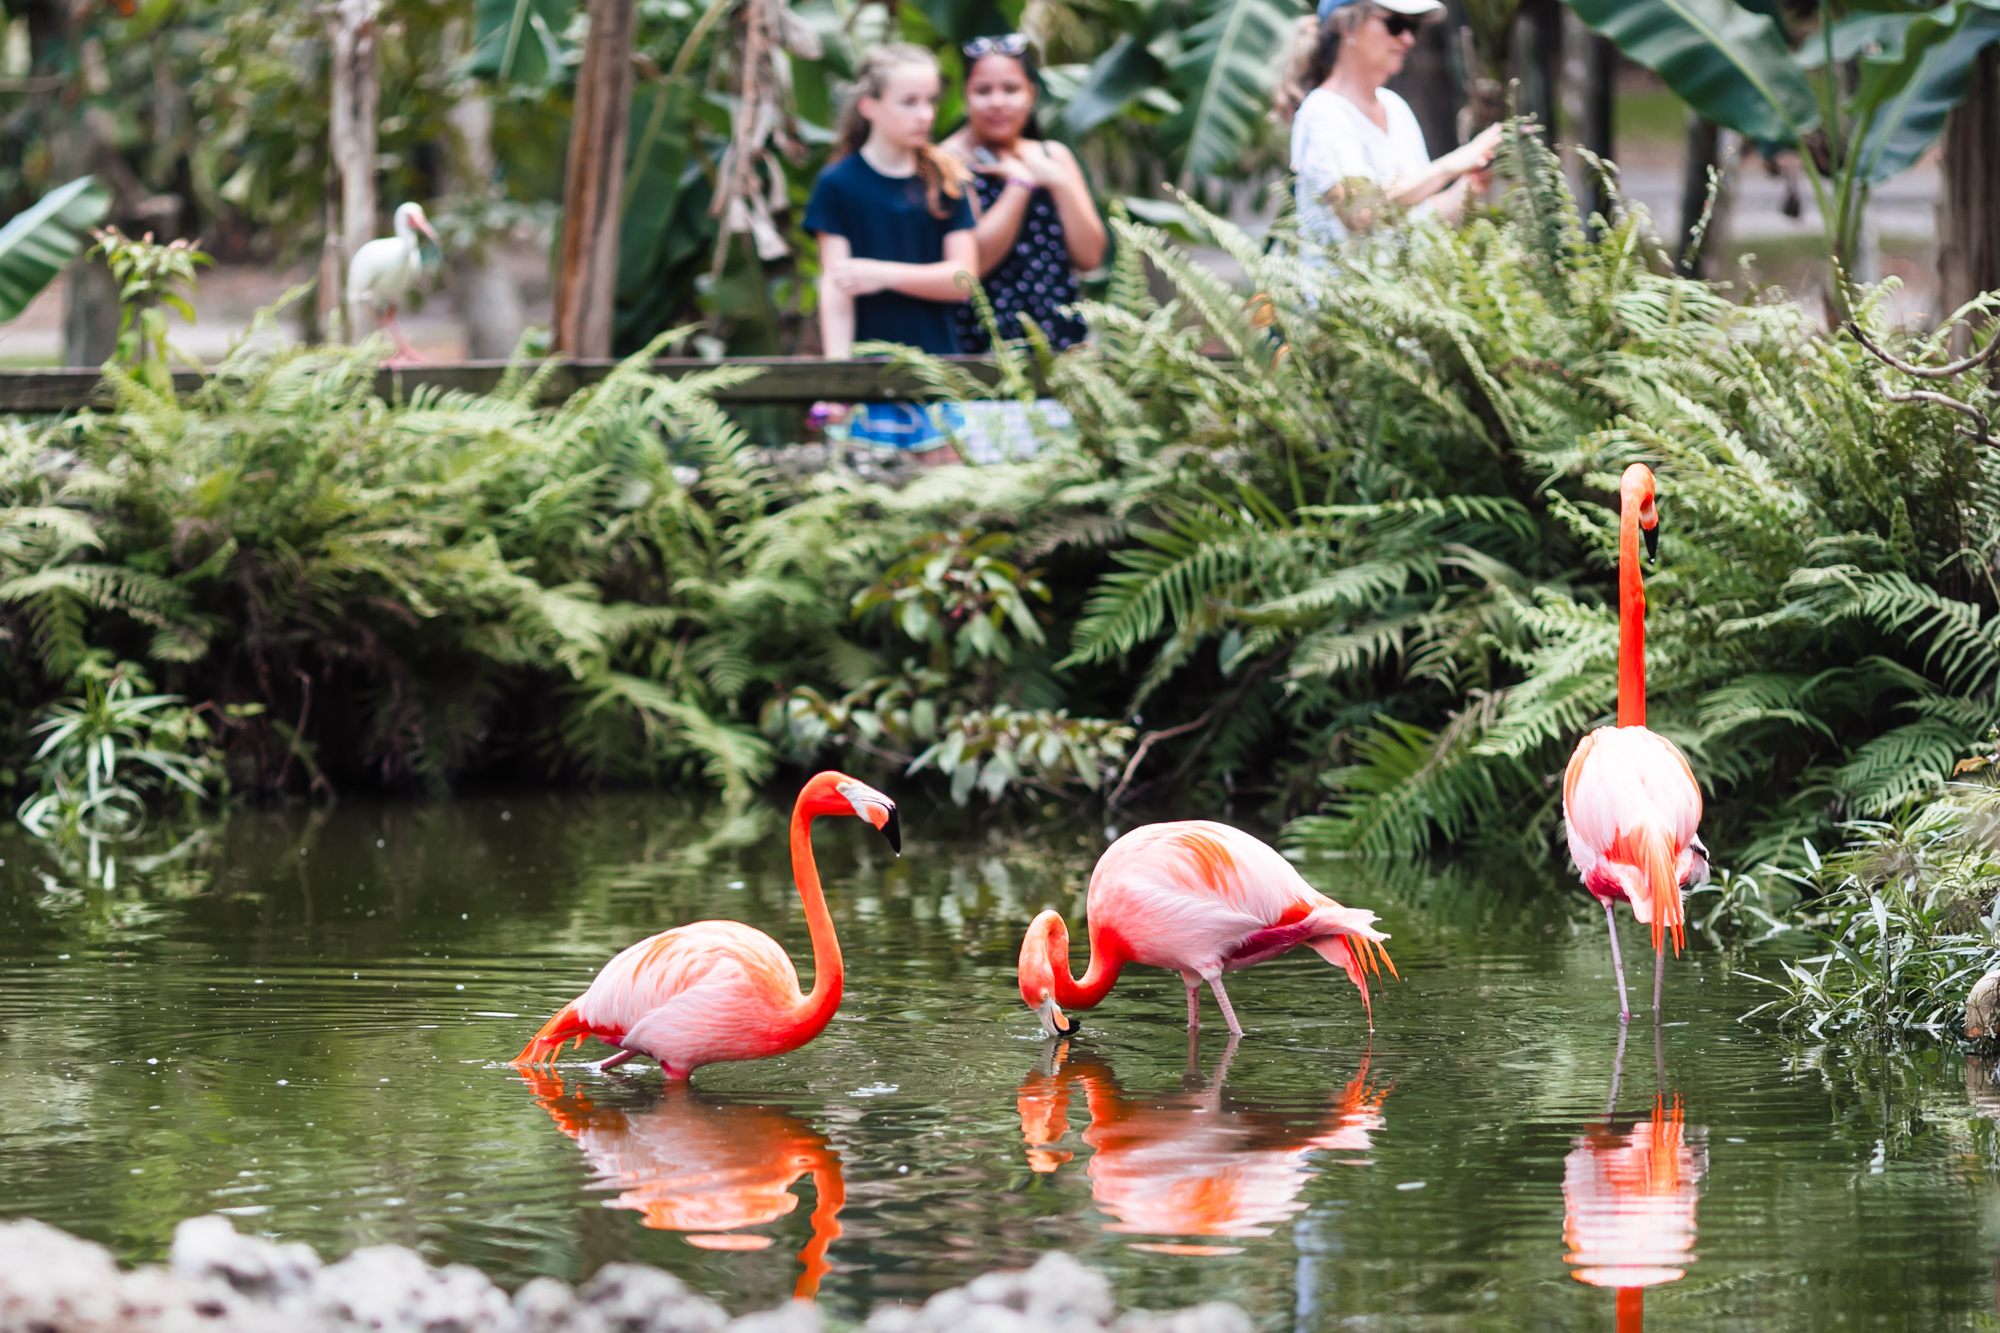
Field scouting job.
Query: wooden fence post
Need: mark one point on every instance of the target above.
(351, 130)
(587, 275)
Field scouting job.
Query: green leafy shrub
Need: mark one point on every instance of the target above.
(1907, 915)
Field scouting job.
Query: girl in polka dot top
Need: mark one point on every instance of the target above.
(1036, 223)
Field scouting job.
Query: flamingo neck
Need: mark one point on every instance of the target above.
(1106, 961)
(817, 1006)
(1631, 617)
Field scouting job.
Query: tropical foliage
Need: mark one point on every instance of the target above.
(1354, 572)
(1904, 916)
(1860, 94)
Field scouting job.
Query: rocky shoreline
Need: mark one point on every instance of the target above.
(217, 1281)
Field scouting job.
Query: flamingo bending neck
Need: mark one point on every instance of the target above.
(1635, 511)
(1107, 960)
(816, 1007)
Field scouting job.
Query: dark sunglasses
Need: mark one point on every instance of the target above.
(1013, 44)
(1398, 24)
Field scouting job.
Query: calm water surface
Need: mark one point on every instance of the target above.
(302, 1020)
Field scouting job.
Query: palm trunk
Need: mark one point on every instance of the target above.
(1600, 126)
(587, 278)
(1704, 151)
(1538, 39)
(488, 301)
(1969, 208)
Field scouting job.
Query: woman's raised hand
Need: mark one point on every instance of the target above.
(1478, 152)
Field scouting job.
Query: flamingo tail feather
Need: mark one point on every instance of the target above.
(1659, 864)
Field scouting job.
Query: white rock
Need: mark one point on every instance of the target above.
(791, 1317)
(632, 1298)
(1214, 1317)
(390, 1288)
(208, 1247)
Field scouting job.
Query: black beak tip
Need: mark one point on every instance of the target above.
(1652, 535)
(893, 831)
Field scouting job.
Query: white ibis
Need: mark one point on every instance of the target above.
(384, 270)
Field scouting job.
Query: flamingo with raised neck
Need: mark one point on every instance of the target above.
(715, 991)
(1630, 800)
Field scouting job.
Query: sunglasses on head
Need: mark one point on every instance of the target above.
(1013, 44)
(1398, 24)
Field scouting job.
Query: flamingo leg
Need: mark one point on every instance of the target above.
(1222, 998)
(1617, 964)
(614, 1061)
(1193, 984)
(1659, 975)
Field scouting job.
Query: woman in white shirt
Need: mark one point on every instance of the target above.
(1355, 144)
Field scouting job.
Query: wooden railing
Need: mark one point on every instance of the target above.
(786, 379)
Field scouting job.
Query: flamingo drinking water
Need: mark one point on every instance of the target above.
(717, 990)
(1201, 899)
(383, 271)
(1629, 799)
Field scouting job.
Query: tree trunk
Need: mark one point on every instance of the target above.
(1600, 123)
(1969, 205)
(587, 275)
(488, 300)
(1704, 150)
(351, 130)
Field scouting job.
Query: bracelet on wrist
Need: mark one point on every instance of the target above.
(1025, 182)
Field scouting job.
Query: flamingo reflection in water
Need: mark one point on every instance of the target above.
(1629, 1199)
(1198, 1164)
(704, 1167)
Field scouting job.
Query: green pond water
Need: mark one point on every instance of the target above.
(302, 1019)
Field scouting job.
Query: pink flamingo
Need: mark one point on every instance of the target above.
(1201, 899)
(1629, 798)
(718, 990)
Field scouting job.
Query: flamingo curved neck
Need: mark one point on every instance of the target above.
(1106, 961)
(817, 1006)
(1631, 616)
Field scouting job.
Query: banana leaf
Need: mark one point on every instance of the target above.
(1911, 109)
(1125, 70)
(959, 21)
(666, 236)
(1229, 63)
(516, 41)
(1731, 65)
(37, 243)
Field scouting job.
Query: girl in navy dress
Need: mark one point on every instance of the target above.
(896, 247)
(1037, 224)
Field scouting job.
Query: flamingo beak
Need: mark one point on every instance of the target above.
(1652, 536)
(1055, 1023)
(892, 829)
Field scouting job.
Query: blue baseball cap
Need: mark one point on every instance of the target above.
(1413, 7)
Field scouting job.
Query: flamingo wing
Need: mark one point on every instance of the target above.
(695, 995)
(1632, 808)
(1204, 897)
